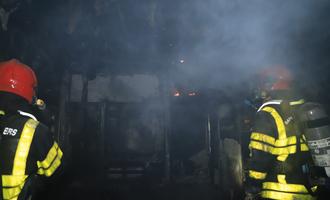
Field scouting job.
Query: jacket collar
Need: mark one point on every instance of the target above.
(278, 102)
(27, 114)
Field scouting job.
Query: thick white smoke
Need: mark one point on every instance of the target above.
(225, 41)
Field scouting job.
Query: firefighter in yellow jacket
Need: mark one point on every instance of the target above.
(279, 156)
(27, 147)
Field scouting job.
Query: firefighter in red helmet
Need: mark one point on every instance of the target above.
(279, 156)
(27, 147)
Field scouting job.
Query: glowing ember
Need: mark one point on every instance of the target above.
(176, 94)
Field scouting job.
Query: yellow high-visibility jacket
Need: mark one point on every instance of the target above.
(278, 153)
(27, 148)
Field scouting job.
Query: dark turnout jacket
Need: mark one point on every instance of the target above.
(278, 153)
(27, 148)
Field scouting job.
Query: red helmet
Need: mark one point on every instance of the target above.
(18, 78)
(275, 78)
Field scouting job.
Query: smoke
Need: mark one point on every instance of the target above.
(223, 42)
(209, 43)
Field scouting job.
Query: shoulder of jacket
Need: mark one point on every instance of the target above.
(26, 114)
(272, 103)
(276, 103)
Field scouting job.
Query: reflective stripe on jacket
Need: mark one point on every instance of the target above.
(274, 149)
(29, 149)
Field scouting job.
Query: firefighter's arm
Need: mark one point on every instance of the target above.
(49, 154)
(260, 159)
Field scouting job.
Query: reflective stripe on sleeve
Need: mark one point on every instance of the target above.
(273, 150)
(263, 138)
(282, 187)
(52, 161)
(299, 102)
(257, 175)
(281, 147)
(285, 196)
(260, 146)
(12, 181)
(12, 186)
(23, 147)
(11, 193)
(286, 141)
(272, 141)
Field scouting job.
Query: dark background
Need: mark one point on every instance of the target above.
(201, 43)
(198, 45)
